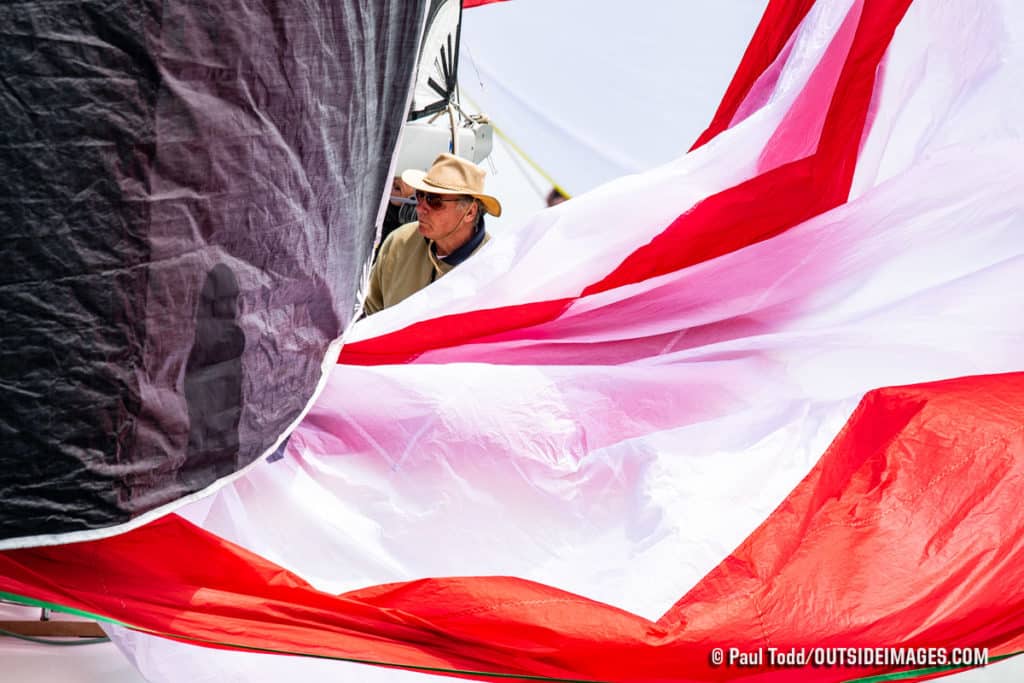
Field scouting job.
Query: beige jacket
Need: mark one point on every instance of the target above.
(406, 264)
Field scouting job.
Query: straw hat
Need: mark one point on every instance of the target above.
(453, 175)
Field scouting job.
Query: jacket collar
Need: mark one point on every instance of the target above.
(463, 252)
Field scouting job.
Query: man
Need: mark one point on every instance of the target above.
(450, 203)
(401, 209)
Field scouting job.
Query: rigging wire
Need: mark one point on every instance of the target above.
(512, 145)
(522, 154)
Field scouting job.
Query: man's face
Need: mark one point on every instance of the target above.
(441, 216)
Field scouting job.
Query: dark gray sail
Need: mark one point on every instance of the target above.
(188, 198)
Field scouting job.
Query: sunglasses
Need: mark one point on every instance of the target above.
(435, 201)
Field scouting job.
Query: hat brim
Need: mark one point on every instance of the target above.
(417, 179)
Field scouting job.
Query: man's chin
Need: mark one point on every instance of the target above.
(423, 230)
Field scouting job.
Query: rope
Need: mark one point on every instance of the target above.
(519, 150)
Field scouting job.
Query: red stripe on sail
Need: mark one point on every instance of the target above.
(175, 579)
(755, 210)
(781, 18)
(905, 534)
(466, 4)
(406, 344)
(790, 194)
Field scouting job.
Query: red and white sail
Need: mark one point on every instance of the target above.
(768, 395)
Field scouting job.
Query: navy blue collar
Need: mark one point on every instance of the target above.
(463, 252)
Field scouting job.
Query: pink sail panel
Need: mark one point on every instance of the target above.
(955, 446)
(777, 26)
(796, 188)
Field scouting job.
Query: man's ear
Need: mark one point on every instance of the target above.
(474, 213)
